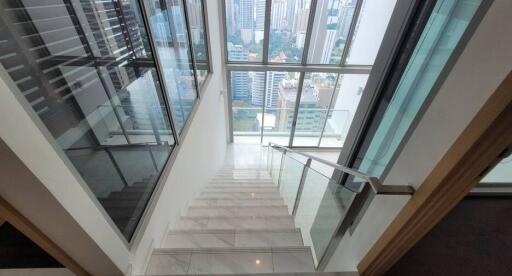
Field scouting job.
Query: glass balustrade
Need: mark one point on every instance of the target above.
(88, 70)
(318, 203)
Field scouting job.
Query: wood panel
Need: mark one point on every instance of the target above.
(16, 219)
(477, 148)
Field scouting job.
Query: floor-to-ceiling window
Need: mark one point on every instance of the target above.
(298, 67)
(114, 82)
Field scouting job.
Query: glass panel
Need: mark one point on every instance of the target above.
(245, 23)
(77, 65)
(343, 108)
(276, 165)
(290, 181)
(247, 92)
(288, 26)
(501, 173)
(442, 32)
(281, 94)
(315, 99)
(195, 14)
(371, 25)
(171, 39)
(322, 207)
(330, 31)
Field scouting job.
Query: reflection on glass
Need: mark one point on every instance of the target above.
(245, 23)
(440, 36)
(500, 174)
(288, 26)
(198, 38)
(171, 38)
(343, 108)
(290, 181)
(322, 206)
(281, 94)
(78, 67)
(371, 25)
(330, 31)
(317, 92)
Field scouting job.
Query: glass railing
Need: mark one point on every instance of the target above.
(322, 208)
(111, 82)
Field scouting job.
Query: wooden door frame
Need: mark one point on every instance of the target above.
(475, 151)
(9, 214)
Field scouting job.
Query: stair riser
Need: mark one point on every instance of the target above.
(234, 239)
(236, 223)
(237, 211)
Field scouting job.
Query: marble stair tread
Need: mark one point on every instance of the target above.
(238, 202)
(237, 211)
(344, 273)
(244, 185)
(230, 260)
(224, 238)
(267, 222)
(233, 189)
(246, 195)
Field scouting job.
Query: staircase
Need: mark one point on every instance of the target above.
(238, 225)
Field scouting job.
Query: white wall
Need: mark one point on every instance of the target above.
(202, 152)
(483, 64)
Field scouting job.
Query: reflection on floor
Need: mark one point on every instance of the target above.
(239, 224)
(122, 178)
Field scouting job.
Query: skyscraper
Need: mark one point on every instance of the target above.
(274, 80)
(259, 26)
(278, 17)
(239, 80)
(257, 88)
(290, 13)
(246, 9)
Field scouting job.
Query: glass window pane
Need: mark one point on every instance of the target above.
(195, 13)
(245, 23)
(371, 26)
(247, 92)
(438, 40)
(330, 31)
(343, 108)
(501, 173)
(314, 103)
(281, 93)
(72, 62)
(288, 26)
(170, 35)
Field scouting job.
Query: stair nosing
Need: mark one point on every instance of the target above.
(227, 250)
(232, 231)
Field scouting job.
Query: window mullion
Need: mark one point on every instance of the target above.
(351, 31)
(266, 30)
(297, 104)
(330, 107)
(309, 30)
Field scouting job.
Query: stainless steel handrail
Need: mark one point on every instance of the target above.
(374, 182)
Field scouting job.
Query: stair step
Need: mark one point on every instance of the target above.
(238, 202)
(243, 222)
(238, 211)
(238, 189)
(228, 186)
(228, 238)
(243, 182)
(231, 260)
(247, 195)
